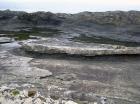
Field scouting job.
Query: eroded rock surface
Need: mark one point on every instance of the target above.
(81, 79)
(116, 25)
(53, 46)
(112, 79)
(19, 66)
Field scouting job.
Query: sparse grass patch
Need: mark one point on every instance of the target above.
(15, 92)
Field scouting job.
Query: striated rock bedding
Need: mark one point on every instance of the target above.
(55, 46)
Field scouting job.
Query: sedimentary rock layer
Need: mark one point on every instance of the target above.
(51, 46)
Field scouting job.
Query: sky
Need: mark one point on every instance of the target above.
(69, 6)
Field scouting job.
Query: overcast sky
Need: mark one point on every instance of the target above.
(69, 6)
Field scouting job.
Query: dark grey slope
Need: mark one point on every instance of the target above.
(117, 18)
(116, 25)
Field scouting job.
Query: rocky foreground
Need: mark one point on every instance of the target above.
(26, 94)
(97, 80)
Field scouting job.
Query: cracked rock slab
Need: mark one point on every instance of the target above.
(19, 66)
(53, 46)
(37, 72)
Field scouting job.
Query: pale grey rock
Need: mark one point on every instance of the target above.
(6, 40)
(37, 72)
(3, 35)
(19, 66)
(71, 102)
(21, 98)
(28, 101)
(52, 46)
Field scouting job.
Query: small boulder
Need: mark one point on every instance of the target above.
(32, 93)
(6, 40)
(71, 102)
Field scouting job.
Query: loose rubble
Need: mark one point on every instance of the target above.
(28, 95)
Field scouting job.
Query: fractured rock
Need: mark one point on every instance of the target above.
(53, 46)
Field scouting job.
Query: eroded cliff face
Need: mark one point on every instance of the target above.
(117, 25)
(118, 18)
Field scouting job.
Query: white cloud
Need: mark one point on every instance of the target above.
(130, 2)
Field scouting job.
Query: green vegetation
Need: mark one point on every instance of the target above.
(25, 34)
(15, 92)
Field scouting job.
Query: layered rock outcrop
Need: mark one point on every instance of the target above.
(54, 46)
(114, 18)
(116, 25)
